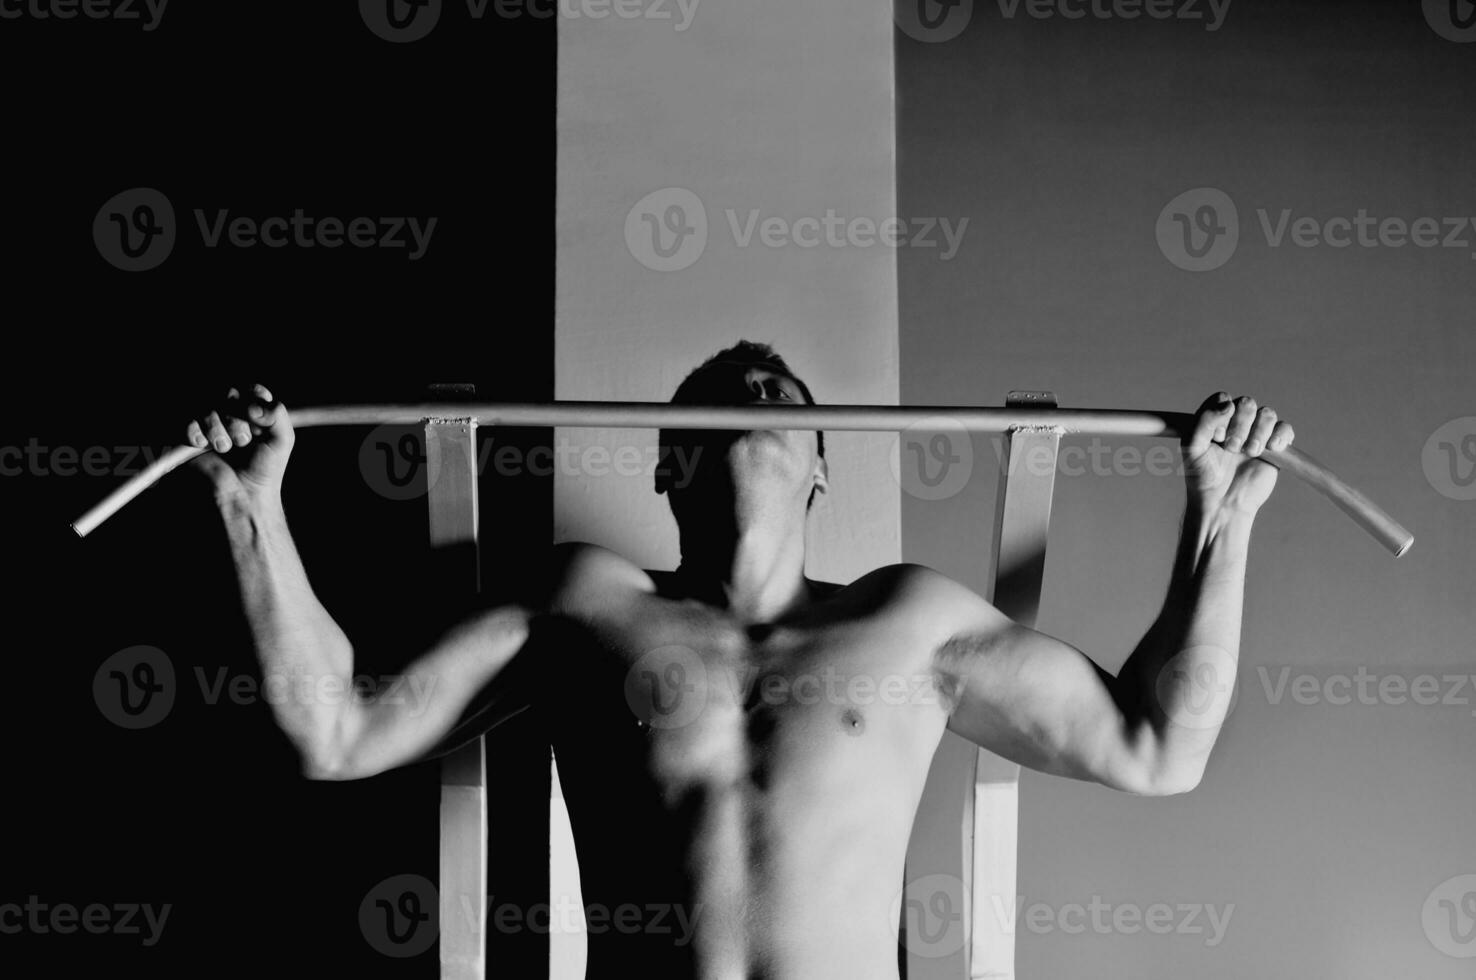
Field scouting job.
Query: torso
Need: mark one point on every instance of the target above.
(742, 797)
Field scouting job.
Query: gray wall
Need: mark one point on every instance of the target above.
(1333, 829)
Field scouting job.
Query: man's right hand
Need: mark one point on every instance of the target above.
(252, 438)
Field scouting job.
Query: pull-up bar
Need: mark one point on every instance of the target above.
(856, 418)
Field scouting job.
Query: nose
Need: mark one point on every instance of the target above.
(763, 383)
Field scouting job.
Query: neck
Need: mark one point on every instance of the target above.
(757, 572)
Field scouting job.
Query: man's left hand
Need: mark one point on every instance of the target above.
(1221, 461)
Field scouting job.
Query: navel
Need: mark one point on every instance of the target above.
(852, 722)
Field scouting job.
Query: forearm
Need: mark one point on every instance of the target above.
(298, 644)
(1176, 685)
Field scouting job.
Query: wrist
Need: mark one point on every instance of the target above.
(1215, 522)
(249, 505)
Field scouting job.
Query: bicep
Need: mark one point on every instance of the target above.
(465, 684)
(1040, 702)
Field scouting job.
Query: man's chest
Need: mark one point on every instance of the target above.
(699, 700)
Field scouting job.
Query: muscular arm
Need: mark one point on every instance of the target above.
(339, 732)
(342, 734)
(1043, 703)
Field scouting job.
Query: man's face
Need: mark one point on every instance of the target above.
(774, 462)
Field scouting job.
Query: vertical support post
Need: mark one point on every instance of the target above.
(991, 812)
(450, 452)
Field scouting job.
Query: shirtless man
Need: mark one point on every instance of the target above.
(739, 744)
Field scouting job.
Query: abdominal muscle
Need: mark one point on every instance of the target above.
(788, 868)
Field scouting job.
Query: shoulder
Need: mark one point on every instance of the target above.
(911, 581)
(580, 570)
(944, 603)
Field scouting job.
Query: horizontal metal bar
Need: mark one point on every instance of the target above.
(658, 415)
(863, 418)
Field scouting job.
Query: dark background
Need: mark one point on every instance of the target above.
(258, 110)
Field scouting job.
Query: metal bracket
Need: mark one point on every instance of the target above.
(1031, 399)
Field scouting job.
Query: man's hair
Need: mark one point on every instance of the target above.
(689, 392)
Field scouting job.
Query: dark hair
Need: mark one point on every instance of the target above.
(746, 353)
